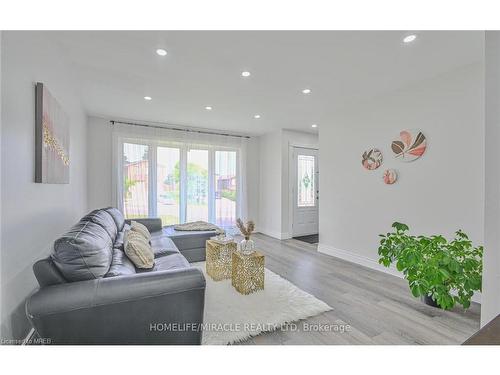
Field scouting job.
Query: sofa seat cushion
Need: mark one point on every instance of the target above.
(120, 265)
(162, 246)
(105, 220)
(185, 240)
(195, 255)
(168, 262)
(84, 252)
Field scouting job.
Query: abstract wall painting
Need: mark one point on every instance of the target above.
(372, 159)
(410, 146)
(390, 176)
(51, 139)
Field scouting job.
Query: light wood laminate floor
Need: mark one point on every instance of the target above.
(377, 307)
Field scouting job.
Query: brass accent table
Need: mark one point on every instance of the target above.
(248, 272)
(218, 263)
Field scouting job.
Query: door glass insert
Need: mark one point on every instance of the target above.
(305, 181)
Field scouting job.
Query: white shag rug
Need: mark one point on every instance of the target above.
(231, 317)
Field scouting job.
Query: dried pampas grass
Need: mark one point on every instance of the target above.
(247, 230)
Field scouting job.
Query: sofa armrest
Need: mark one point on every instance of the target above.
(164, 307)
(152, 223)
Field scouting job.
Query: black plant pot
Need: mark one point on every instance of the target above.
(429, 301)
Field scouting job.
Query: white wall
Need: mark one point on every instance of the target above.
(100, 189)
(441, 192)
(99, 163)
(253, 178)
(34, 215)
(490, 304)
(1, 314)
(270, 185)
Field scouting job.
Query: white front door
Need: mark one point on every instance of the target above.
(305, 191)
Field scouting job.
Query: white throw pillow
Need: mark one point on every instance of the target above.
(140, 228)
(138, 250)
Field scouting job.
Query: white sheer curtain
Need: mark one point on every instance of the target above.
(179, 176)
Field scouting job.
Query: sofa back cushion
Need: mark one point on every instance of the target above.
(84, 252)
(120, 238)
(117, 217)
(47, 273)
(105, 220)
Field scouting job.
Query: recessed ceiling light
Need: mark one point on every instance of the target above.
(256, 116)
(147, 98)
(409, 38)
(306, 91)
(314, 125)
(161, 52)
(208, 108)
(245, 74)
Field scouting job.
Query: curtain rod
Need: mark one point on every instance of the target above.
(178, 129)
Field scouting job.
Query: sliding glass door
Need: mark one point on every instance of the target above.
(135, 180)
(197, 185)
(225, 188)
(168, 184)
(180, 183)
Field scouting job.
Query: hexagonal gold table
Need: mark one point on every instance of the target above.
(248, 272)
(218, 262)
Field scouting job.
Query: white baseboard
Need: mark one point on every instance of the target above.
(358, 259)
(370, 263)
(274, 234)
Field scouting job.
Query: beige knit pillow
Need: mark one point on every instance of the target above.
(138, 250)
(140, 228)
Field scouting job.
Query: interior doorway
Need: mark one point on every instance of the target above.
(304, 179)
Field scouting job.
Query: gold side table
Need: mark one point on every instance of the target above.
(218, 262)
(248, 272)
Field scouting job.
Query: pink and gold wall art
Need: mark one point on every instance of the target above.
(410, 146)
(51, 139)
(390, 176)
(372, 159)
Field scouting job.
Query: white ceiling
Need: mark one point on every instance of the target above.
(118, 68)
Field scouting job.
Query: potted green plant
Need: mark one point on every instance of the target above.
(441, 272)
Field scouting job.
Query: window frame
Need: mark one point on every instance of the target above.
(184, 148)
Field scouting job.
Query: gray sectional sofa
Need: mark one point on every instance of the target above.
(91, 293)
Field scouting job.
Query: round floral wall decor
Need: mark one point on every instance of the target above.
(410, 146)
(372, 159)
(390, 176)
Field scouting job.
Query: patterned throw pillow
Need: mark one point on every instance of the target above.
(140, 228)
(138, 250)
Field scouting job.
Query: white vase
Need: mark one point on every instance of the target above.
(247, 246)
